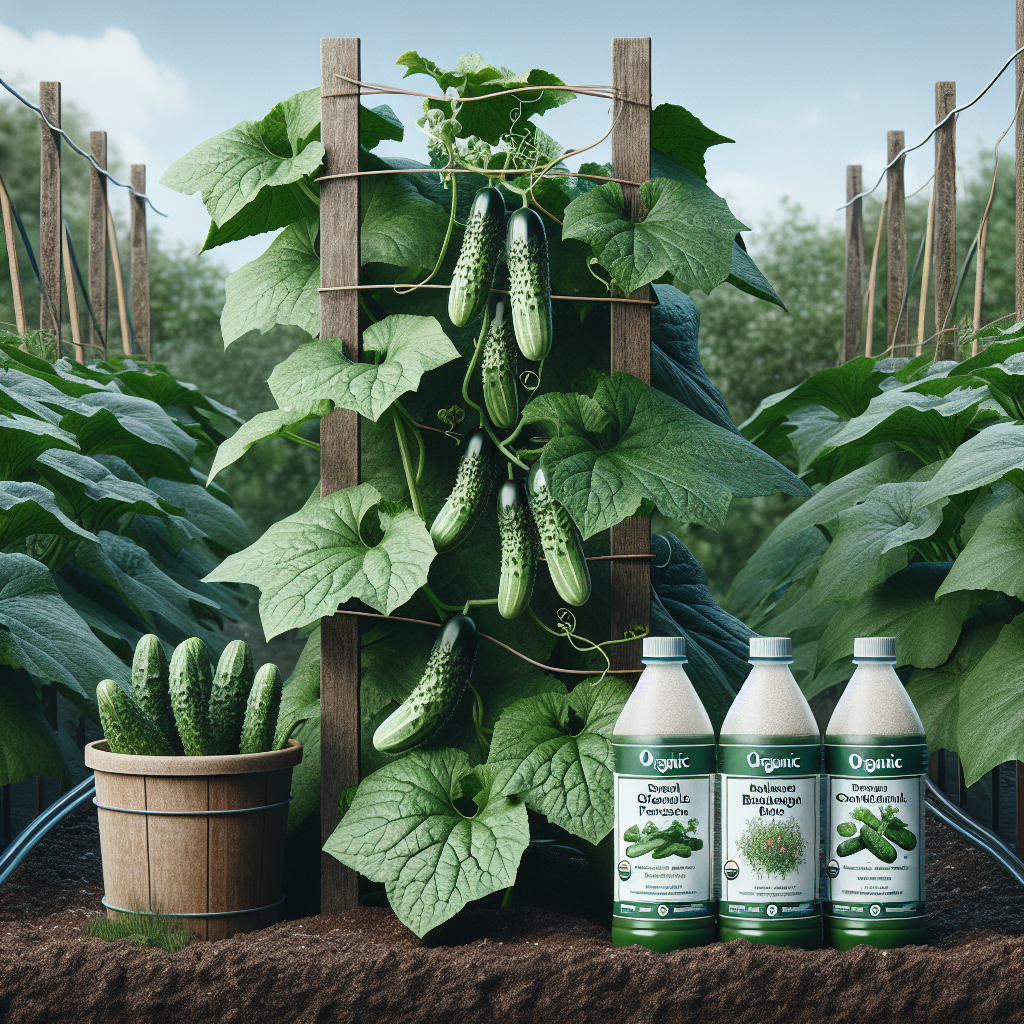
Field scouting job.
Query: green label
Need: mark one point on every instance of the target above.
(876, 761)
(656, 761)
(662, 913)
(774, 759)
(875, 911)
(770, 911)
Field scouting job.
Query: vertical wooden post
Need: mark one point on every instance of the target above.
(944, 259)
(98, 237)
(896, 331)
(69, 283)
(854, 262)
(631, 332)
(50, 207)
(926, 270)
(12, 259)
(140, 263)
(339, 443)
(122, 305)
(1018, 136)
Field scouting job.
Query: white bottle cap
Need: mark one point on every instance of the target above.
(874, 648)
(771, 648)
(664, 648)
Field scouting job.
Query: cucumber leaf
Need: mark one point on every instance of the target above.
(23, 439)
(561, 770)
(630, 443)
(219, 521)
(315, 560)
(28, 746)
(992, 559)
(744, 275)
(983, 459)
(320, 370)
(406, 827)
(398, 225)
(686, 235)
(27, 508)
(682, 137)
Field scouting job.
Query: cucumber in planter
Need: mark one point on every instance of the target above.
(228, 695)
(481, 246)
(434, 698)
(529, 283)
(518, 549)
(499, 368)
(127, 728)
(473, 481)
(261, 711)
(191, 682)
(561, 541)
(151, 683)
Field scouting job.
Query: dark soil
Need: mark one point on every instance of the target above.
(530, 963)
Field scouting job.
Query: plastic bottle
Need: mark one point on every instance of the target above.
(770, 757)
(664, 748)
(876, 758)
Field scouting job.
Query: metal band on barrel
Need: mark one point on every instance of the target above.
(190, 814)
(207, 913)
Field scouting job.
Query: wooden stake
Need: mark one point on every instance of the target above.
(631, 335)
(69, 284)
(50, 228)
(853, 318)
(339, 444)
(944, 256)
(897, 325)
(140, 263)
(98, 286)
(12, 259)
(1018, 136)
(870, 329)
(926, 270)
(122, 306)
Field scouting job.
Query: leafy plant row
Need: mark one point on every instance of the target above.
(447, 822)
(915, 529)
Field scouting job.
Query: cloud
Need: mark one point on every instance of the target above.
(109, 76)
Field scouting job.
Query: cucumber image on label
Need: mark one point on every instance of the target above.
(876, 759)
(664, 750)
(770, 758)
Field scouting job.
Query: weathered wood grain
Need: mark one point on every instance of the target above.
(98, 237)
(944, 244)
(854, 262)
(50, 207)
(897, 323)
(140, 264)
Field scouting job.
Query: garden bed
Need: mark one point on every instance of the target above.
(528, 963)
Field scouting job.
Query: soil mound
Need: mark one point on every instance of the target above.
(531, 963)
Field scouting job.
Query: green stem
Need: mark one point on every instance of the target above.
(410, 479)
(298, 439)
(478, 603)
(366, 310)
(440, 607)
(447, 236)
(506, 900)
(522, 422)
(419, 439)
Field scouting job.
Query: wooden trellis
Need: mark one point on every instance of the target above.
(339, 433)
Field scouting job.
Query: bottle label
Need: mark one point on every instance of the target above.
(770, 828)
(875, 848)
(664, 831)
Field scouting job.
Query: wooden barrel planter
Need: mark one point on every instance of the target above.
(199, 840)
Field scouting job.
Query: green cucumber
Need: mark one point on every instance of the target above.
(231, 685)
(261, 711)
(150, 683)
(561, 541)
(434, 698)
(191, 678)
(849, 846)
(518, 549)
(880, 847)
(846, 829)
(499, 368)
(645, 846)
(126, 727)
(529, 283)
(678, 849)
(473, 481)
(693, 843)
(481, 246)
(902, 837)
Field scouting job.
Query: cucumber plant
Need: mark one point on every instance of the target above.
(456, 393)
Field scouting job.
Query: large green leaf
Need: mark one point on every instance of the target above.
(492, 118)
(994, 556)
(409, 826)
(313, 561)
(409, 345)
(280, 287)
(745, 275)
(42, 634)
(220, 522)
(629, 444)
(936, 691)
(22, 440)
(398, 226)
(683, 137)
(377, 124)
(990, 723)
(687, 234)
(871, 541)
(1006, 383)
(28, 746)
(264, 425)
(904, 606)
(27, 508)
(981, 460)
(563, 772)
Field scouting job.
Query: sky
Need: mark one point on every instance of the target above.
(804, 88)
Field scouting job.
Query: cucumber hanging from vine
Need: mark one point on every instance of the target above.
(500, 370)
(561, 541)
(473, 480)
(529, 283)
(435, 696)
(481, 246)
(518, 549)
